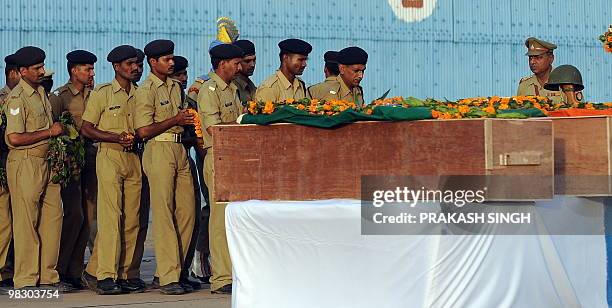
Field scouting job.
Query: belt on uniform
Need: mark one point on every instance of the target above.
(168, 137)
(110, 145)
(41, 151)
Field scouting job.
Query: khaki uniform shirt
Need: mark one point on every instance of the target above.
(246, 88)
(111, 108)
(4, 92)
(28, 110)
(157, 101)
(68, 98)
(335, 88)
(277, 88)
(531, 86)
(217, 103)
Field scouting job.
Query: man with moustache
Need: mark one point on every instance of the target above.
(351, 65)
(145, 207)
(218, 102)
(159, 120)
(189, 140)
(284, 84)
(72, 97)
(108, 119)
(35, 199)
(541, 58)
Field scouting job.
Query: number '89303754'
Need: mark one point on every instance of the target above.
(41, 294)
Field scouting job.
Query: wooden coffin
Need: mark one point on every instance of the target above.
(293, 162)
(582, 156)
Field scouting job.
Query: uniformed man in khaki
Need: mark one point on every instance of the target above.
(219, 103)
(35, 199)
(284, 83)
(190, 140)
(134, 268)
(159, 120)
(77, 196)
(541, 58)
(11, 73)
(351, 65)
(330, 70)
(246, 87)
(109, 120)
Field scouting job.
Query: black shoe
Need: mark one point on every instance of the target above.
(194, 285)
(139, 282)
(62, 287)
(107, 287)
(75, 283)
(90, 281)
(6, 283)
(154, 284)
(204, 280)
(226, 289)
(173, 288)
(128, 287)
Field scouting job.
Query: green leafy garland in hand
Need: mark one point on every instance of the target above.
(66, 153)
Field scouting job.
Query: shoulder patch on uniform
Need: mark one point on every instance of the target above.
(14, 111)
(194, 90)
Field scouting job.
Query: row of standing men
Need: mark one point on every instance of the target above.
(137, 140)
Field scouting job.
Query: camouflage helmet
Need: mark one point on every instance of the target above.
(564, 74)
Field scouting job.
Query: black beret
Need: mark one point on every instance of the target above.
(180, 63)
(139, 55)
(81, 57)
(352, 55)
(159, 48)
(10, 60)
(121, 53)
(331, 57)
(226, 51)
(248, 48)
(295, 46)
(28, 56)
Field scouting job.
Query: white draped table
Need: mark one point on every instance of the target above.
(312, 254)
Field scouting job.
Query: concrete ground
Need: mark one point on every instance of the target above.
(151, 298)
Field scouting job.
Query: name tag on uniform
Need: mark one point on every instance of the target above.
(227, 104)
(14, 111)
(164, 102)
(332, 92)
(114, 107)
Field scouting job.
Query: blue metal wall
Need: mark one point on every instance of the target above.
(465, 48)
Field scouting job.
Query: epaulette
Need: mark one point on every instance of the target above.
(102, 85)
(525, 78)
(268, 83)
